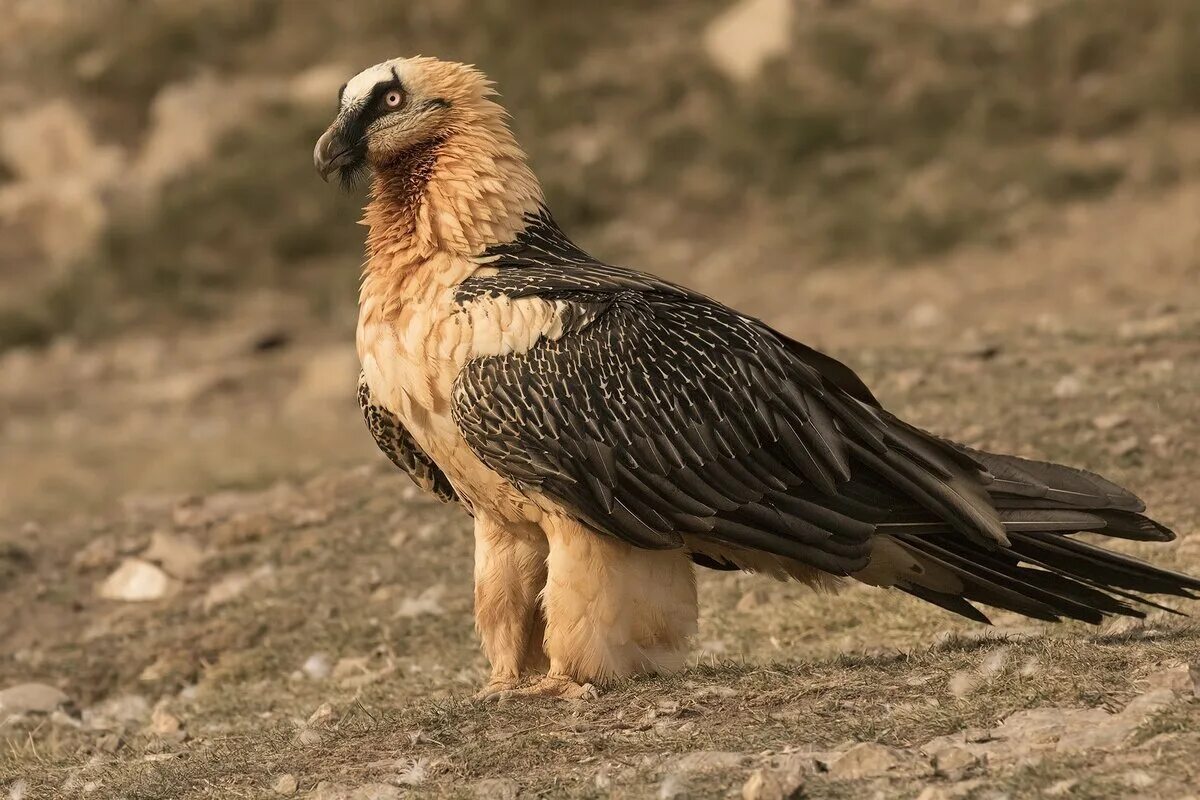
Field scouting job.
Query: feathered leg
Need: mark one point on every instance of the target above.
(612, 610)
(510, 571)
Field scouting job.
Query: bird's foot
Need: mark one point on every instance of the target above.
(560, 687)
(497, 687)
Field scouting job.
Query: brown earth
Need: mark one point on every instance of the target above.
(1002, 237)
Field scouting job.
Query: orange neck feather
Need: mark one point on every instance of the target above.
(452, 197)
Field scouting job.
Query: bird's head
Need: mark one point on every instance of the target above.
(388, 110)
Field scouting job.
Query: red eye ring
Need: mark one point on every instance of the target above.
(393, 99)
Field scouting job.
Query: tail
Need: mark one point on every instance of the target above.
(1043, 572)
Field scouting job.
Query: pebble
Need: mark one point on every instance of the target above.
(136, 581)
(762, 785)
(178, 554)
(308, 737)
(863, 760)
(286, 785)
(954, 762)
(30, 698)
(317, 667)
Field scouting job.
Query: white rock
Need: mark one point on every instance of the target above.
(762, 785)
(863, 760)
(136, 581)
(317, 667)
(954, 762)
(740, 40)
(286, 785)
(178, 554)
(30, 698)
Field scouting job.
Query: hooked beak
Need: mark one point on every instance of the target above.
(332, 152)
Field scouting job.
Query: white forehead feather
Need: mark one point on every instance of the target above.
(359, 87)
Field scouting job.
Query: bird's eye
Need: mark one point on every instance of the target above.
(394, 98)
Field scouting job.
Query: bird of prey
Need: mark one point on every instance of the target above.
(610, 430)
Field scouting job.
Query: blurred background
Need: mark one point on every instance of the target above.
(805, 160)
(989, 208)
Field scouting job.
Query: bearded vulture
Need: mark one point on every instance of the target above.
(609, 430)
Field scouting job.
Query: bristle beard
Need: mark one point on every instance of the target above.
(352, 176)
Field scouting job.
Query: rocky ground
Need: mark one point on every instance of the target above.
(213, 584)
(217, 588)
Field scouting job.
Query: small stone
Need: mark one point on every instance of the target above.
(286, 785)
(30, 698)
(954, 762)
(323, 714)
(1068, 386)
(762, 785)
(136, 581)
(748, 34)
(178, 554)
(497, 789)
(99, 552)
(308, 737)
(863, 760)
(317, 667)
(753, 599)
(1106, 422)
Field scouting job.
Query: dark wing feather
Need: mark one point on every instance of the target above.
(661, 413)
(398, 445)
